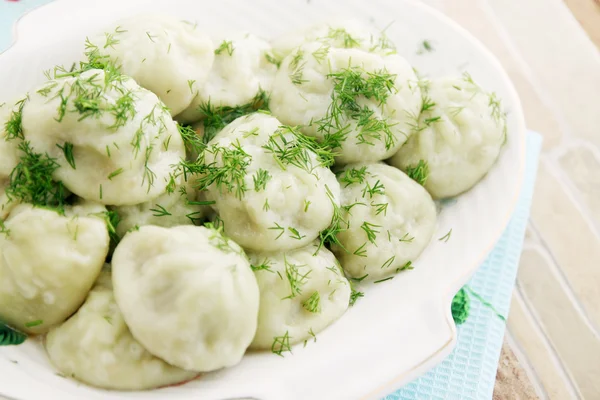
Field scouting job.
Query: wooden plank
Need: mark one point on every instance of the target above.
(587, 13)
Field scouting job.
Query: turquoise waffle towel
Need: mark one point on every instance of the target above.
(470, 371)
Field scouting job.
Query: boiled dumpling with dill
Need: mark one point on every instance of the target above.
(341, 33)
(302, 291)
(114, 141)
(96, 347)
(243, 68)
(170, 57)
(387, 220)
(360, 104)
(270, 184)
(181, 206)
(49, 263)
(459, 136)
(187, 294)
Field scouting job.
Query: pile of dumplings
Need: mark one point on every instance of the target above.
(178, 199)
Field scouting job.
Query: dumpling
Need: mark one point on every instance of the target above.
(360, 104)
(169, 57)
(243, 67)
(182, 207)
(96, 347)
(389, 219)
(187, 294)
(49, 263)
(302, 291)
(343, 34)
(459, 136)
(114, 141)
(270, 187)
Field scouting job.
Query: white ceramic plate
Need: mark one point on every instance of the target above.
(401, 327)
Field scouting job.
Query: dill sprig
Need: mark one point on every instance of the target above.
(295, 278)
(351, 176)
(218, 239)
(355, 294)
(371, 231)
(337, 225)
(264, 266)
(31, 180)
(290, 147)
(377, 188)
(350, 85)
(297, 68)
(419, 173)
(225, 46)
(281, 344)
(160, 211)
(67, 149)
(112, 220)
(271, 58)
(313, 303)
(342, 36)
(261, 178)
(446, 237)
(226, 172)
(216, 118)
(192, 141)
(13, 127)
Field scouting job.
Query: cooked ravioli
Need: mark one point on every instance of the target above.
(170, 57)
(49, 263)
(188, 295)
(388, 219)
(95, 346)
(459, 136)
(243, 67)
(114, 141)
(302, 291)
(360, 104)
(270, 187)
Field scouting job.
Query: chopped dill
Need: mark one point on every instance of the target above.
(225, 46)
(383, 280)
(407, 265)
(370, 231)
(279, 228)
(446, 237)
(31, 180)
(351, 176)
(295, 278)
(313, 303)
(160, 211)
(67, 149)
(295, 234)
(261, 178)
(281, 344)
(115, 173)
(216, 118)
(361, 251)
(419, 173)
(264, 266)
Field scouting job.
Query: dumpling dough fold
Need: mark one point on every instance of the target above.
(188, 295)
